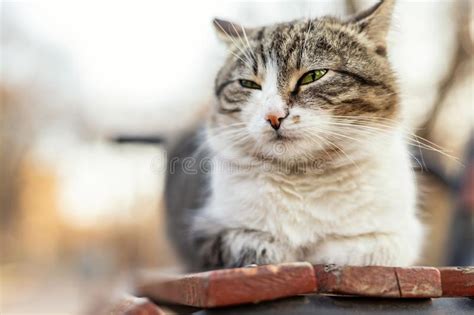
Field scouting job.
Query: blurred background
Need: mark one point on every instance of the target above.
(88, 89)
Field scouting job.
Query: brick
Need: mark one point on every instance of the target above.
(419, 282)
(457, 281)
(232, 286)
(362, 281)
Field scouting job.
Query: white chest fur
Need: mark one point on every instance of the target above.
(376, 195)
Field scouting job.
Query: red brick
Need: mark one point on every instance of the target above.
(457, 281)
(362, 281)
(419, 282)
(232, 286)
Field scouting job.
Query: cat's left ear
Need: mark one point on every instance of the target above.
(375, 21)
(230, 32)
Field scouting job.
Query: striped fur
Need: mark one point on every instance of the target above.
(333, 184)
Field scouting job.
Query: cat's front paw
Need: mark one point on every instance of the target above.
(235, 248)
(263, 254)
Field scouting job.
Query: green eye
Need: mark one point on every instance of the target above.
(250, 84)
(310, 77)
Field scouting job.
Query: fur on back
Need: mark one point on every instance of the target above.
(316, 171)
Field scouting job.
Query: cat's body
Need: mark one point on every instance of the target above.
(300, 171)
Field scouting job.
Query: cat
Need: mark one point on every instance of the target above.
(303, 157)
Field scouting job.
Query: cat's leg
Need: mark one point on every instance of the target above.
(369, 249)
(238, 247)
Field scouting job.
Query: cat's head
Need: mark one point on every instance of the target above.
(305, 88)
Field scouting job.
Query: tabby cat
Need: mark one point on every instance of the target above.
(303, 157)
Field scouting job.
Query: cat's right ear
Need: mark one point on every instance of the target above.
(229, 32)
(375, 21)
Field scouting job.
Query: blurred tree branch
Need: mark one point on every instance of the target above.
(464, 53)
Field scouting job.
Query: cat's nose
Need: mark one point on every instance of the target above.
(274, 119)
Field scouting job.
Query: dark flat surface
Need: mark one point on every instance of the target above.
(317, 304)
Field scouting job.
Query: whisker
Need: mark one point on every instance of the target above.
(248, 44)
(247, 62)
(410, 138)
(338, 149)
(241, 41)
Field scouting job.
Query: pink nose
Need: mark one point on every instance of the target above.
(275, 119)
